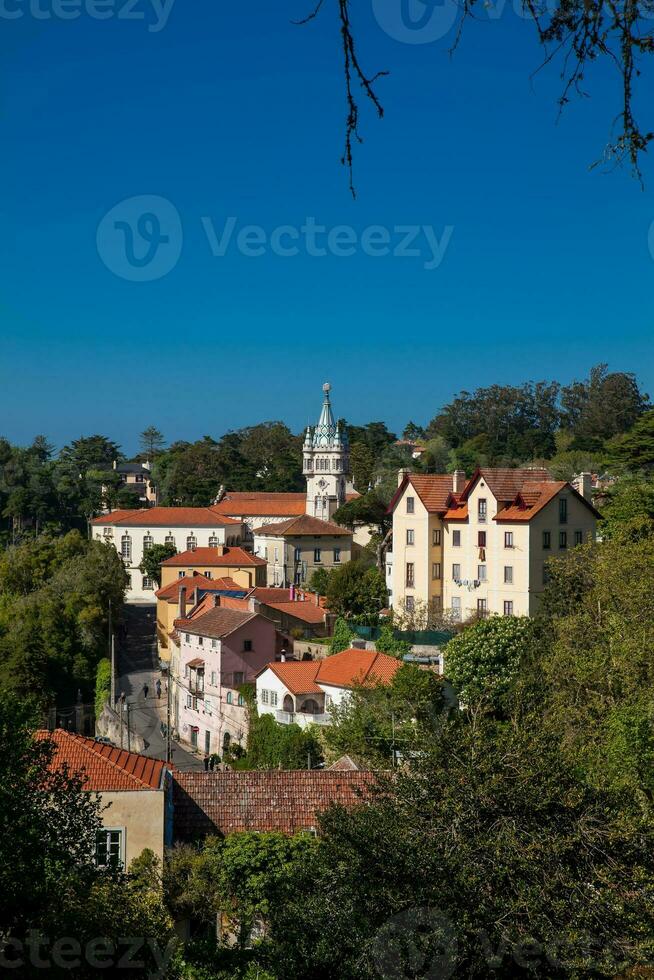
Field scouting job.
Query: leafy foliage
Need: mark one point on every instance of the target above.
(482, 662)
(356, 589)
(102, 685)
(152, 559)
(341, 638)
(273, 746)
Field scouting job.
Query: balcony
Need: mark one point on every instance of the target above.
(302, 718)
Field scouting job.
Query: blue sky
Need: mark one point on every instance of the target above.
(230, 110)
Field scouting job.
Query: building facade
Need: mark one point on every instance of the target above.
(133, 532)
(293, 550)
(326, 463)
(465, 548)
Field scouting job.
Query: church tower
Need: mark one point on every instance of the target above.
(326, 463)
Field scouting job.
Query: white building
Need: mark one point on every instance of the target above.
(133, 532)
(326, 455)
(302, 692)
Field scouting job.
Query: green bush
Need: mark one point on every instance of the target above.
(271, 746)
(102, 685)
(482, 662)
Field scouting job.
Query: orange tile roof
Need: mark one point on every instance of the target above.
(197, 581)
(504, 482)
(533, 497)
(167, 517)
(307, 611)
(262, 504)
(297, 526)
(105, 767)
(206, 803)
(216, 622)
(213, 557)
(299, 676)
(351, 667)
(265, 594)
(433, 489)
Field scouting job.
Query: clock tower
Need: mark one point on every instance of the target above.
(326, 465)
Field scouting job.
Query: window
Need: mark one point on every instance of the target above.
(482, 608)
(213, 678)
(436, 570)
(410, 505)
(563, 539)
(276, 554)
(508, 608)
(337, 556)
(200, 641)
(213, 541)
(481, 539)
(298, 554)
(109, 848)
(456, 539)
(409, 603)
(508, 539)
(481, 510)
(241, 700)
(181, 575)
(547, 540)
(229, 697)
(148, 542)
(508, 574)
(247, 646)
(187, 637)
(563, 510)
(147, 583)
(316, 556)
(456, 572)
(579, 537)
(410, 536)
(481, 573)
(186, 670)
(436, 538)
(214, 644)
(239, 677)
(126, 547)
(207, 574)
(265, 699)
(456, 608)
(196, 704)
(189, 700)
(410, 580)
(191, 542)
(273, 699)
(170, 539)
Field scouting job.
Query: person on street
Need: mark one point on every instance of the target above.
(145, 691)
(158, 687)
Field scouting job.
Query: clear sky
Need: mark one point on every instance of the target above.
(532, 266)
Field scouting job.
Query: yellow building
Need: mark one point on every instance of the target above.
(474, 547)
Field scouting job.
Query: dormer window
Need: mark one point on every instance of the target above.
(148, 542)
(191, 542)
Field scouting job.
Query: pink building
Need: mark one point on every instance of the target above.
(219, 651)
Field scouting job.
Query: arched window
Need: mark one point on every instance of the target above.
(191, 542)
(241, 700)
(148, 542)
(229, 697)
(126, 547)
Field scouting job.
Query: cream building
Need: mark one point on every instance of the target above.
(476, 547)
(293, 550)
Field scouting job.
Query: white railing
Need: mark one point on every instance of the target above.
(302, 717)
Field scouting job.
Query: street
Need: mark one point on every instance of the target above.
(138, 664)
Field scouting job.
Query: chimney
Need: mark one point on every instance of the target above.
(583, 483)
(282, 656)
(458, 481)
(254, 604)
(182, 602)
(216, 600)
(400, 476)
(195, 597)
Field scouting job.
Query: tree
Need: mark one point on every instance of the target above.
(341, 638)
(387, 643)
(482, 662)
(628, 503)
(91, 453)
(362, 463)
(356, 589)
(413, 432)
(319, 580)
(152, 442)
(152, 559)
(603, 406)
(635, 450)
(274, 746)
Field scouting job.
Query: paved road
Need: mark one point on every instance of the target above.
(138, 664)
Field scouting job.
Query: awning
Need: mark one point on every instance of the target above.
(198, 662)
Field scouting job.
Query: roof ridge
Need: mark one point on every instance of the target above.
(95, 749)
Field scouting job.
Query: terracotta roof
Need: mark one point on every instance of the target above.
(264, 594)
(166, 517)
(299, 676)
(106, 767)
(433, 489)
(345, 764)
(307, 611)
(226, 802)
(533, 497)
(196, 581)
(262, 504)
(503, 482)
(213, 557)
(456, 510)
(350, 667)
(304, 525)
(217, 622)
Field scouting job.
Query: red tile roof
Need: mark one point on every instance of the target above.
(262, 504)
(166, 517)
(533, 497)
(433, 489)
(206, 803)
(306, 611)
(503, 482)
(105, 767)
(305, 524)
(213, 557)
(298, 676)
(217, 622)
(196, 581)
(350, 667)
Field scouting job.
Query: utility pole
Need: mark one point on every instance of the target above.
(121, 710)
(113, 660)
(129, 740)
(168, 693)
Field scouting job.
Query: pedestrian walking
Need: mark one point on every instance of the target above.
(145, 692)
(158, 687)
